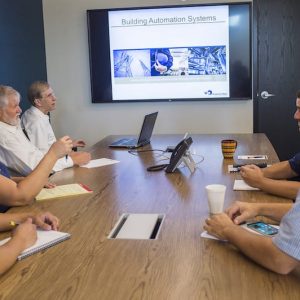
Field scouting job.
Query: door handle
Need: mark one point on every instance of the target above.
(266, 95)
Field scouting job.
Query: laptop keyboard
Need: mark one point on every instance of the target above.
(126, 142)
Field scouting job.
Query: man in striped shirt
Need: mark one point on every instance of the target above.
(280, 253)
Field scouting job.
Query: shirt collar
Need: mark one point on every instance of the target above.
(10, 128)
(38, 112)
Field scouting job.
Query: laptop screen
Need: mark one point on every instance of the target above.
(147, 128)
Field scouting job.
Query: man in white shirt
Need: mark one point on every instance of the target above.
(16, 151)
(35, 120)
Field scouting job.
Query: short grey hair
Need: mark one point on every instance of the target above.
(6, 91)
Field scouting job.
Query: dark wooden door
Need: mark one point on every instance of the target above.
(277, 72)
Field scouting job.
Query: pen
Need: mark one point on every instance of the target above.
(66, 157)
(257, 156)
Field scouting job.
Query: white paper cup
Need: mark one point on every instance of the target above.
(215, 197)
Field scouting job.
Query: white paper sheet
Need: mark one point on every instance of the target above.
(241, 185)
(95, 163)
(206, 235)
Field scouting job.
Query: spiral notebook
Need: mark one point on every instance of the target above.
(45, 239)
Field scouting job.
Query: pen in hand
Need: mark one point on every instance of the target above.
(66, 157)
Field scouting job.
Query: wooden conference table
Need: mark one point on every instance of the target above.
(179, 264)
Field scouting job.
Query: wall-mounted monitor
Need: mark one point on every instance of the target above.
(178, 53)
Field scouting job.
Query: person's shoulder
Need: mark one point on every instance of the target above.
(30, 116)
(26, 114)
(7, 131)
(30, 112)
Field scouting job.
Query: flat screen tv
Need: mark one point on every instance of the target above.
(171, 53)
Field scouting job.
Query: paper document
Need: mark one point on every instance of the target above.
(95, 163)
(241, 185)
(63, 191)
(256, 156)
(206, 235)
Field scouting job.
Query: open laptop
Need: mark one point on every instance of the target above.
(144, 137)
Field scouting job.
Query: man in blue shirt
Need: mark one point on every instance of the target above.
(270, 179)
(281, 253)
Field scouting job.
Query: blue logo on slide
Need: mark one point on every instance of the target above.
(209, 92)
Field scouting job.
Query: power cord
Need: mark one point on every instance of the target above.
(136, 152)
(161, 167)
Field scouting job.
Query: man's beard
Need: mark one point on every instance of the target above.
(14, 122)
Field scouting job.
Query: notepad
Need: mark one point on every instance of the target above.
(63, 191)
(45, 239)
(241, 185)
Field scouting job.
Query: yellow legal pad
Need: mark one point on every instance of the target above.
(63, 191)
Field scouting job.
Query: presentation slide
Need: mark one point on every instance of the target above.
(164, 53)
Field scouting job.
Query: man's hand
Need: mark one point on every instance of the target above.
(217, 225)
(80, 158)
(78, 143)
(61, 147)
(252, 175)
(46, 221)
(240, 212)
(49, 185)
(25, 232)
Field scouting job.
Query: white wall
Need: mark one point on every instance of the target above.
(68, 72)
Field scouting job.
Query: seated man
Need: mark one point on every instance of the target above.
(24, 235)
(16, 151)
(24, 191)
(270, 178)
(35, 120)
(281, 253)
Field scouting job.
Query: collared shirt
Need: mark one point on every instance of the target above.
(288, 237)
(38, 128)
(4, 172)
(295, 163)
(20, 155)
